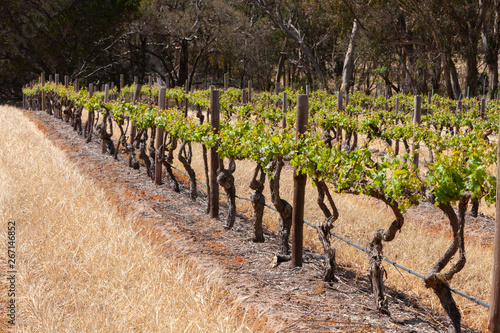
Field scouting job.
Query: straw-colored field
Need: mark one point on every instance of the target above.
(83, 268)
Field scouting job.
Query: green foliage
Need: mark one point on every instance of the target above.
(254, 132)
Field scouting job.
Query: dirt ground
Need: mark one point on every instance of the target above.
(274, 298)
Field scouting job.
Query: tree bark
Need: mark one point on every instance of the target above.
(349, 59)
(454, 80)
(183, 63)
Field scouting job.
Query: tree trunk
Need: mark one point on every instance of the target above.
(183, 63)
(454, 80)
(349, 59)
(490, 44)
(281, 65)
(493, 78)
(447, 77)
(471, 71)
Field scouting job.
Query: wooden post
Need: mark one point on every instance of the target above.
(186, 102)
(136, 79)
(483, 108)
(244, 96)
(285, 106)
(457, 113)
(226, 81)
(417, 113)
(66, 81)
(214, 157)
(44, 105)
(396, 144)
(50, 78)
(159, 138)
(56, 80)
(299, 184)
(137, 95)
(494, 314)
(106, 93)
(308, 89)
(150, 80)
(106, 100)
(122, 82)
(340, 107)
(249, 91)
(340, 101)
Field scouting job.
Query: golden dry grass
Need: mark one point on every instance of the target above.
(83, 268)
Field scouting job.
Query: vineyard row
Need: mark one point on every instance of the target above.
(435, 150)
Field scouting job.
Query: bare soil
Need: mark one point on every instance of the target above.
(274, 298)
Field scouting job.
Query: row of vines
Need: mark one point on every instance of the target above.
(452, 143)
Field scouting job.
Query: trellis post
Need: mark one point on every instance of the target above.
(214, 156)
(159, 138)
(299, 184)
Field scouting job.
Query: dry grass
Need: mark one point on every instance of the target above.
(416, 247)
(83, 268)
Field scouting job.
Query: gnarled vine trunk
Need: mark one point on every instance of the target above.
(324, 229)
(144, 156)
(200, 116)
(258, 202)
(375, 251)
(225, 179)
(438, 281)
(106, 142)
(282, 206)
(168, 159)
(184, 156)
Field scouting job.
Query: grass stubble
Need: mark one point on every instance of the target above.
(81, 266)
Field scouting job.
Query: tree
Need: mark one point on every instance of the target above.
(73, 38)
